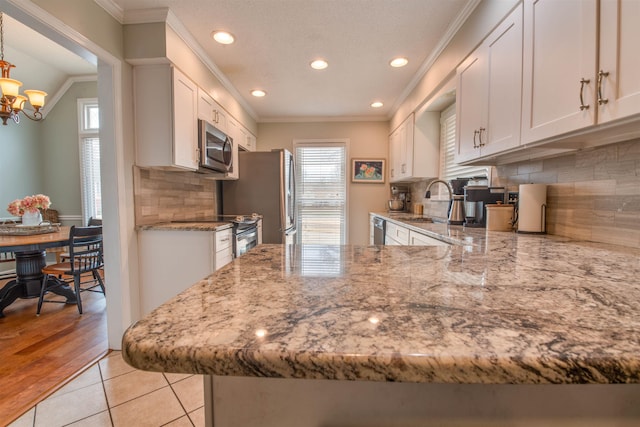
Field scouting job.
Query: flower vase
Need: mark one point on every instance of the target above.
(31, 218)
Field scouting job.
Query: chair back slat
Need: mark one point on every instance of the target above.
(85, 249)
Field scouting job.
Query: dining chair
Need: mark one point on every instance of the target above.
(85, 258)
(64, 255)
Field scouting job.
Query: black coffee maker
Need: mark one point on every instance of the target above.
(476, 197)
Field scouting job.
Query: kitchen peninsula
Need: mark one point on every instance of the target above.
(502, 329)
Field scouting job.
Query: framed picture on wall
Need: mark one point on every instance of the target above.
(367, 170)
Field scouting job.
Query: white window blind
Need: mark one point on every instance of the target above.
(88, 125)
(448, 168)
(321, 193)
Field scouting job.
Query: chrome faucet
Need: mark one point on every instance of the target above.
(455, 211)
(428, 194)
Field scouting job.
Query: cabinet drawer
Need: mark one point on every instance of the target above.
(419, 239)
(223, 258)
(397, 233)
(223, 239)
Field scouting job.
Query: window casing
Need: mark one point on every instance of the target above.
(321, 192)
(448, 168)
(88, 131)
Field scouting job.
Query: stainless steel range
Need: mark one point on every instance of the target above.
(245, 230)
(245, 233)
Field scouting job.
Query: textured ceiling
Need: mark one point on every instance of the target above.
(277, 39)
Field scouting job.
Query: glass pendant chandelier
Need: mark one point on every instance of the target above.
(12, 103)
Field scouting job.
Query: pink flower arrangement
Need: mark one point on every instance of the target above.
(29, 204)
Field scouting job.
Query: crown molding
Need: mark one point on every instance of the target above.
(112, 9)
(319, 119)
(431, 59)
(53, 100)
(146, 16)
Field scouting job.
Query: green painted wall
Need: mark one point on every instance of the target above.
(44, 157)
(60, 150)
(20, 167)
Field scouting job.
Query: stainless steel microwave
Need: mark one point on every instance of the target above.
(215, 146)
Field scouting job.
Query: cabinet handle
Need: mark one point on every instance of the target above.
(480, 143)
(215, 116)
(393, 173)
(475, 132)
(198, 155)
(404, 168)
(582, 104)
(601, 100)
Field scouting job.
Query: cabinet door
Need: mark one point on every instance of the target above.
(558, 68)
(406, 148)
(185, 122)
(394, 157)
(397, 234)
(471, 98)
(211, 111)
(504, 92)
(620, 58)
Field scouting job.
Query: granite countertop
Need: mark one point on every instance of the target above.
(502, 308)
(188, 226)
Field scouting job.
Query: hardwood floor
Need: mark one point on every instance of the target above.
(39, 354)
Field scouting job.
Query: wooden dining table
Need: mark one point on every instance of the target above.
(30, 254)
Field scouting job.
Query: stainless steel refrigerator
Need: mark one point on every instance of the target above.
(266, 186)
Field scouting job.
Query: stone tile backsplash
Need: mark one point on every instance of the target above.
(162, 196)
(592, 195)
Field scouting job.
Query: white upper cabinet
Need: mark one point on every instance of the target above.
(560, 42)
(488, 99)
(211, 111)
(165, 108)
(414, 148)
(619, 71)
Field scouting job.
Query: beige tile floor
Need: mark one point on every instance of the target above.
(111, 393)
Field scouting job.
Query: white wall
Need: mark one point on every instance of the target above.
(367, 140)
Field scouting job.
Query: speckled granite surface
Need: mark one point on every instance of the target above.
(187, 226)
(504, 308)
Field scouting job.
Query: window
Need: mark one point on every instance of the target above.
(89, 126)
(321, 198)
(449, 169)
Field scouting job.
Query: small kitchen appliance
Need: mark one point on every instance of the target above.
(456, 210)
(400, 198)
(532, 208)
(215, 148)
(500, 217)
(476, 197)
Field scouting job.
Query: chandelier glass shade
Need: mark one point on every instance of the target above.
(12, 102)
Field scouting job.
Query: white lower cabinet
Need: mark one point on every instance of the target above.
(398, 235)
(419, 239)
(395, 234)
(170, 261)
(223, 248)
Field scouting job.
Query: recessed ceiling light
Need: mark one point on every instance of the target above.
(319, 64)
(258, 93)
(398, 62)
(377, 104)
(223, 37)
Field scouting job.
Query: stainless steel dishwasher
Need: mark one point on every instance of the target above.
(378, 230)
